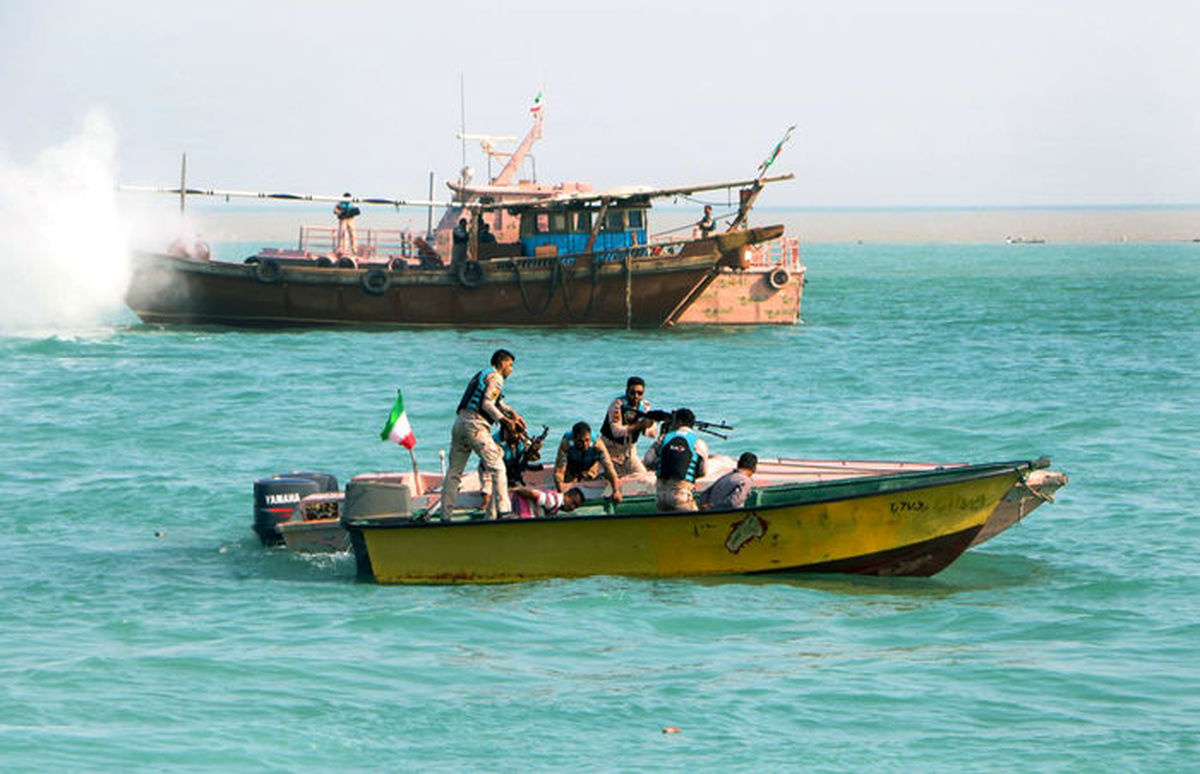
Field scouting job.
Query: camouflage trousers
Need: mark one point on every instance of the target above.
(675, 495)
(625, 458)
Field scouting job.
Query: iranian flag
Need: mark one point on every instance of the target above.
(763, 167)
(397, 428)
(537, 103)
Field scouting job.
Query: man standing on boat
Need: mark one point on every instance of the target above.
(707, 223)
(460, 237)
(347, 239)
(482, 405)
(622, 428)
(679, 458)
(584, 457)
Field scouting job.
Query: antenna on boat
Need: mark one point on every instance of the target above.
(183, 185)
(462, 115)
(429, 220)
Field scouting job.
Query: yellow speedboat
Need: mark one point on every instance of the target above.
(910, 523)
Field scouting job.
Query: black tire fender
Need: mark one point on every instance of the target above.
(470, 274)
(376, 281)
(268, 270)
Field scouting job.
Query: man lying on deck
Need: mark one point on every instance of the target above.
(529, 502)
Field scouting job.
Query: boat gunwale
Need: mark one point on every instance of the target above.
(642, 259)
(957, 475)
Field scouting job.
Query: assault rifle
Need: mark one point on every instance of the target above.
(712, 427)
(533, 448)
(658, 415)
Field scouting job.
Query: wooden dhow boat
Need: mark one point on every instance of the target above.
(765, 287)
(912, 523)
(563, 255)
(578, 261)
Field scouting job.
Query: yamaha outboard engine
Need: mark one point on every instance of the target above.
(275, 499)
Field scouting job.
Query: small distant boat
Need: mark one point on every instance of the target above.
(1024, 241)
(913, 523)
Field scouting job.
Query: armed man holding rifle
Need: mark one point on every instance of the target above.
(519, 451)
(625, 422)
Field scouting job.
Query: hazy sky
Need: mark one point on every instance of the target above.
(896, 103)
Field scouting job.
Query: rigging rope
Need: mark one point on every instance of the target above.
(555, 272)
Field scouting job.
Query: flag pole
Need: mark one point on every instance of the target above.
(416, 474)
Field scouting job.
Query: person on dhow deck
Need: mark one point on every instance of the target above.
(707, 224)
(583, 457)
(622, 428)
(731, 489)
(679, 458)
(482, 405)
(347, 239)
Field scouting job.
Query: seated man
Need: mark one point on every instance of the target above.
(731, 489)
(529, 502)
(583, 457)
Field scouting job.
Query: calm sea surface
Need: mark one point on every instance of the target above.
(144, 628)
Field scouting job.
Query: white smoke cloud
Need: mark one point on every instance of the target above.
(64, 256)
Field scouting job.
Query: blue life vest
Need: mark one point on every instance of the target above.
(512, 454)
(473, 396)
(578, 462)
(678, 459)
(628, 417)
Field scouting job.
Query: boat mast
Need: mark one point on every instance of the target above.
(509, 173)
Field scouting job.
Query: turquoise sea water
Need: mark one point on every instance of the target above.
(144, 628)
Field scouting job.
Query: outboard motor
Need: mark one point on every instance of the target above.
(275, 498)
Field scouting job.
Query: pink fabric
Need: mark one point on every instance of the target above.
(523, 508)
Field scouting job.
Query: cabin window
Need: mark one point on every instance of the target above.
(558, 222)
(584, 222)
(542, 225)
(634, 218)
(613, 221)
